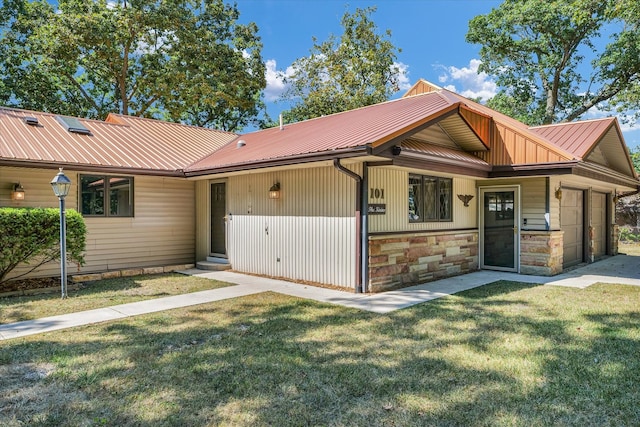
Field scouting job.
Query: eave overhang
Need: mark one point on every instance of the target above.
(284, 161)
(90, 168)
(576, 167)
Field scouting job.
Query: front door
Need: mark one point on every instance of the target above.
(499, 228)
(218, 226)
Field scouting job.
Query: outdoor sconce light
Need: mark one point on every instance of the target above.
(616, 197)
(465, 198)
(18, 192)
(274, 191)
(559, 193)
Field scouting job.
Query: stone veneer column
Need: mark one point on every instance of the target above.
(401, 260)
(541, 252)
(615, 237)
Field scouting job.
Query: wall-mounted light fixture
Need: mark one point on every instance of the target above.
(616, 197)
(274, 191)
(559, 193)
(465, 198)
(18, 192)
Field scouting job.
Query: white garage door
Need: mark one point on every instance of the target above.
(572, 223)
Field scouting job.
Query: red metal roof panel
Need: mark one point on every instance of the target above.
(121, 142)
(347, 130)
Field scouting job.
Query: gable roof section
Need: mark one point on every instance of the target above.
(121, 143)
(599, 141)
(363, 131)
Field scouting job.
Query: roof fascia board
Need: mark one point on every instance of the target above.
(91, 168)
(393, 139)
(286, 161)
(438, 166)
(593, 170)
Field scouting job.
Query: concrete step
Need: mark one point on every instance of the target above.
(212, 266)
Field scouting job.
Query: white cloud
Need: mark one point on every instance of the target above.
(403, 75)
(275, 80)
(472, 84)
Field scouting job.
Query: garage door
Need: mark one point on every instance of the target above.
(599, 224)
(572, 223)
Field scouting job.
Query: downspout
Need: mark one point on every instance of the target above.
(361, 224)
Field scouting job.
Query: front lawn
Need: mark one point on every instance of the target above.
(506, 354)
(103, 293)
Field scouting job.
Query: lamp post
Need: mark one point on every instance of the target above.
(61, 185)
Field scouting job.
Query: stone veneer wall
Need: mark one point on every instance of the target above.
(615, 236)
(401, 260)
(541, 252)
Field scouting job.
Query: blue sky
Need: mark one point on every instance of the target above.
(429, 32)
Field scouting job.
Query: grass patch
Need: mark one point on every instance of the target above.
(629, 248)
(506, 354)
(103, 293)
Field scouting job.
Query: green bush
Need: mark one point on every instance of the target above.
(32, 236)
(629, 234)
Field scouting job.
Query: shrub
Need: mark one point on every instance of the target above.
(32, 235)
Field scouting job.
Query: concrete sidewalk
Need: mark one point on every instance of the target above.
(619, 269)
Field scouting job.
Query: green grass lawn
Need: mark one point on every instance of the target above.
(506, 354)
(103, 293)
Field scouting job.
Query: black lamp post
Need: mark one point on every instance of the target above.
(61, 185)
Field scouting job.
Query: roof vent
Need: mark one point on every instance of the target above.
(73, 125)
(241, 143)
(31, 121)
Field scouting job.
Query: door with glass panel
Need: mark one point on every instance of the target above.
(499, 228)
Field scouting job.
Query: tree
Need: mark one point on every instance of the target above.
(343, 73)
(187, 61)
(537, 51)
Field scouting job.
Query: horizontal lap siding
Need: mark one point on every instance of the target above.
(395, 183)
(161, 233)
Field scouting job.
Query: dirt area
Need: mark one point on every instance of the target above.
(29, 286)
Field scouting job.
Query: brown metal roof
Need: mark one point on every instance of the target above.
(445, 153)
(120, 142)
(364, 128)
(578, 138)
(598, 141)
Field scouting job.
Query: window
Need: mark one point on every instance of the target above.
(103, 195)
(430, 198)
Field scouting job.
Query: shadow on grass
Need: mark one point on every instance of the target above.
(504, 354)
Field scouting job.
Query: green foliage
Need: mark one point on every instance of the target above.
(32, 236)
(629, 234)
(352, 71)
(537, 51)
(180, 61)
(635, 158)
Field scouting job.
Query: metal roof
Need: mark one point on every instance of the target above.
(578, 138)
(598, 141)
(120, 142)
(366, 127)
(444, 153)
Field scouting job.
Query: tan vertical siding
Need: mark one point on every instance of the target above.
(511, 147)
(161, 233)
(308, 234)
(394, 182)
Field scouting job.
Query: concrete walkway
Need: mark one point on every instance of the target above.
(619, 269)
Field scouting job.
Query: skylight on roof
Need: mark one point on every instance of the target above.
(73, 125)
(31, 121)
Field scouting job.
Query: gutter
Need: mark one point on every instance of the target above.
(362, 248)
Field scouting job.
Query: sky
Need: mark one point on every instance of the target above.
(430, 33)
